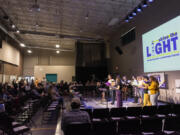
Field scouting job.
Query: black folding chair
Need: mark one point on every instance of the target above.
(78, 129)
(100, 114)
(89, 111)
(164, 111)
(104, 128)
(129, 126)
(151, 125)
(117, 113)
(149, 111)
(133, 112)
(171, 125)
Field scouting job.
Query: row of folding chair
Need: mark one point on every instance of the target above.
(132, 112)
(153, 125)
(50, 112)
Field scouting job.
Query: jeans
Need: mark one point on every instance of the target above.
(154, 99)
(113, 95)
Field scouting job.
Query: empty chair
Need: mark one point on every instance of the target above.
(164, 110)
(151, 125)
(129, 126)
(101, 114)
(171, 125)
(78, 129)
(148, 111)
(117, 113)
(89, 111)
(133, 112)
(176, 109)
(104, 128)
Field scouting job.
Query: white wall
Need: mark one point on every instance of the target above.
(131, 62)
(9, 54)
(63, 72)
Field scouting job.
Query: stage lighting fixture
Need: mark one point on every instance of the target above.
(57, 52)
(22, 45)
(150, 1)
(13, 26)
(130, 16)
(144, 5)
(134, 13)
(29, 51)
(139, 9)
(126, 20)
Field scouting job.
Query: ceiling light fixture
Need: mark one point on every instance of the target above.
(57, 46)
(17, 31)
(22, 45)
(134, 13)
(57, 52)
(29, 51)
(13, 26)
(130, 16)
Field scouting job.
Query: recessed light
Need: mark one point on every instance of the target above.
(29, 51)
(22, 45)
(13, 26)
(57, 46)
(57, 52)
(17, 31)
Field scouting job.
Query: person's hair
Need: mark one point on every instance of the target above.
(146, 77)
(75, 103)
(154, 79)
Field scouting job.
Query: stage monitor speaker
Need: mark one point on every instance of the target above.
(119, 51)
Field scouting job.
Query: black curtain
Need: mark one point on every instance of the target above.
(90, 61)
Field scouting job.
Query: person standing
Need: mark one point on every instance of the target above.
(154, 90)
(141, 90)
(146, 94)
(111, 88)
(134, 84)
(119, 91)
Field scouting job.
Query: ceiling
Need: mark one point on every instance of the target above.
(64, 21)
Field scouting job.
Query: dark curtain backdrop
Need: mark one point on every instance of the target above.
(90, 61)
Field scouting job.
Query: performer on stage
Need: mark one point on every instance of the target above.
(125, 85)
(134, 83)
(119, 91)
(112, 88)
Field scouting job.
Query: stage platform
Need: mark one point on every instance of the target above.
(96, 103)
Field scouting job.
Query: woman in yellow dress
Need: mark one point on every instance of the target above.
(146, 94)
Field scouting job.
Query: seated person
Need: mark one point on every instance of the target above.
(74, 116)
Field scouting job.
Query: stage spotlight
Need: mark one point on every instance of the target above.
(130, 16)
(126, 20)
(144, 5)
(134, 13)
(57, 52)
(150, 1)
(139, 9)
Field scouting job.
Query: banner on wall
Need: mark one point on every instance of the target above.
(177, 85)
(161, 79)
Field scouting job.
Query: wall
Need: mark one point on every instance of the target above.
(131, 62)
(11, 62)
(63, 72)
(9, 54)
(48, 61)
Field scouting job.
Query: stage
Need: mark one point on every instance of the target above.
(96, 103)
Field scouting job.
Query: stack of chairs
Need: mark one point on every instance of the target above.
(158, 120)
